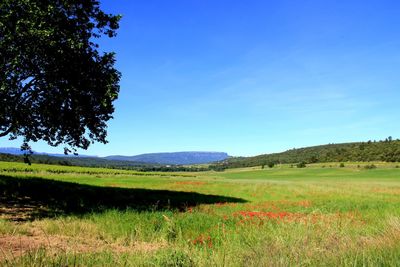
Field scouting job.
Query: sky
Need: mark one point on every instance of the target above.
(251, 77)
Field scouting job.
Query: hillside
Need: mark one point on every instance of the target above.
(387, 150)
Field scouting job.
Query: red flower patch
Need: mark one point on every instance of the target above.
(264, 214)
(259, 217)
(203, 241)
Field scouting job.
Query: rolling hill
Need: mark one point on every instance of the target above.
(387, 150)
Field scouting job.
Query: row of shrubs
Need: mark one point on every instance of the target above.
(341, 165)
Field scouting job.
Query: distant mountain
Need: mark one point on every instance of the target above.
(66, 156)
(11, 150)
(175, 158)
(18, 151)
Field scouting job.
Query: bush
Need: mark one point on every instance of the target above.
(271, 164)
(369, 167)
(301, 164)
(341, 165)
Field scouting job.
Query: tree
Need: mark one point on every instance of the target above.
(54, 83)
(301, 164)
(271, 164)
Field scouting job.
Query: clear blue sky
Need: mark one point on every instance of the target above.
(252, 77)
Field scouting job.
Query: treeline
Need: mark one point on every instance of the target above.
(100, 163)
(386, 150)
(68, 161)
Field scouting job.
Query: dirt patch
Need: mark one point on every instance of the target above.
(190, 183)
(21, 209)
(114, 185)
(389, 191)
(13, 246)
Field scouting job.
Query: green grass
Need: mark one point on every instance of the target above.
(321, 215)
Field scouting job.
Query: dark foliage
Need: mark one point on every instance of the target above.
(370, 166)
(301, 165)
(54, 84)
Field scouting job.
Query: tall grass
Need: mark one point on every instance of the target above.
(285, 216)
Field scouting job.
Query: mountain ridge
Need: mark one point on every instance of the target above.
(175, 158)
(172, 158)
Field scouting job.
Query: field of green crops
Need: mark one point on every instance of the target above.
(314, 216)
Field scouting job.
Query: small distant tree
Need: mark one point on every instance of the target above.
(217, 167)
(313, 159)
(271, 164)
(301, 165)
(370, 166)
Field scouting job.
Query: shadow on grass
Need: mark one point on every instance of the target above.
(32, 198)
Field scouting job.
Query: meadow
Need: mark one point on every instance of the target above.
(321, 215)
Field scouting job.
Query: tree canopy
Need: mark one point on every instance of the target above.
(55, 84)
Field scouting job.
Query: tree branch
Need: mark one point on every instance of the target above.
(18, 102)
(27, 86)
(6, 132)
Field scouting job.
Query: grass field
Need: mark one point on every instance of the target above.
(321, 215)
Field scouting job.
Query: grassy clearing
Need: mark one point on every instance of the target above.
(319, 215)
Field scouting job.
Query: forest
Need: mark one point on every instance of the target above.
(387, 150)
